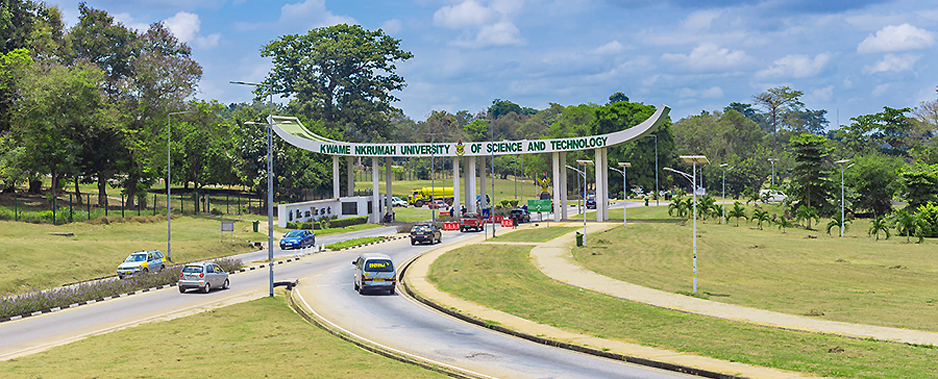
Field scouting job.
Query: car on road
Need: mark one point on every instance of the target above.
(470, 220)
(398, 202)
(202, 275)
(142, 261)
(520, 214)
(374, 272)
(438, 204)
(298, 239)
(591, 201)
(772, 195)
(425, 232)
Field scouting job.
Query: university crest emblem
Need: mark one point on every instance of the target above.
(460, 148)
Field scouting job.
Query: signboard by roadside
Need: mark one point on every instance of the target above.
(539, 205)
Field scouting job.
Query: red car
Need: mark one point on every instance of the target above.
(438, 204)
(470, 220)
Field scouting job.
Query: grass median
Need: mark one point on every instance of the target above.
(255, 339)
(534, 234)
(801, 272)
(502, 277)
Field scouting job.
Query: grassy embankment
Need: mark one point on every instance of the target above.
(248, 340)
(503, 278)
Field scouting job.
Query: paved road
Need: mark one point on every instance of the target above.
(326, 282)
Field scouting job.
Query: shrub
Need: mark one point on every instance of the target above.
(927, 215)
(216, 212)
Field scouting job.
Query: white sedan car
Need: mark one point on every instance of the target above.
(398, 202)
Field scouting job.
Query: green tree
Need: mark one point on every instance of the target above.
(617, 97)
(920, 184)
(906, 224)
(778, 102)
(201, 147)
(835, 223)
(108, 44)
(737, 212)
(501, 108)
(784, 223)
(807, 214)
(760, 216)
(887, 132)
(877, 225)
(874, 181)
(641, 153)
(341, 74)
(678, 207)
(927, 215)
(810, 185)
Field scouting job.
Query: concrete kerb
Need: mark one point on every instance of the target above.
(415, 284)
(289, 284)
(301, 307)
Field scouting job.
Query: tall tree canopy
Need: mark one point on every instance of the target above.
(810, 185)
(778, 101)
(341, 74)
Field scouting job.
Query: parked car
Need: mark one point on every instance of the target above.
(398, 202)
(374, 272)
(298, 239)
(520, 214)
(772, 196)
(141, 261)
(470, 220)
(438, 204)
(202, 275)
(425, 232)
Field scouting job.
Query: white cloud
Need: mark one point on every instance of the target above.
(392, 26)
(897, 38)
(466, 14)
(186, 26)
(822, 94)
(499, 34)
(700, 20)
(128, 21)
(710, 93)
(610, 48)
(310, 14)
(708, 57)
(893, 62)
(880, 89)
(796, 66)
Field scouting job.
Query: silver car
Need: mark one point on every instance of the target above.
(202, 275)
(141, 261)
(374, 272)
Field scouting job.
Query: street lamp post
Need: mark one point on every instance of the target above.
(723, 196)
(584, 163)
(169, 180)
(624, 190)
(773, 160)
(694, 160)
(842, 162)
(657, 191)
(270, 179)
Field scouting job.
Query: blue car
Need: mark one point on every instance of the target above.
(298, 239)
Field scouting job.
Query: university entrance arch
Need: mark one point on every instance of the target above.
(293, 132)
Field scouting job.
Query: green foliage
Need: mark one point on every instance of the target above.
(342, 74)
(501, 108)
(737, 212)
(906, 224)
(804, 213)
(810, 184)
(760, 216)
(879, 224)
(778, 102)
(835, 223)
(706, 207)
(886, 132)
(927, 215)
(874, 181)
(783, 223)
(680, 206)
(921, 184)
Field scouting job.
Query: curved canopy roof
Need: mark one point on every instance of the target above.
(292, 131)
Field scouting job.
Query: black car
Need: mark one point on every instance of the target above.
(591, 201)
(425, 232)
(521, 215)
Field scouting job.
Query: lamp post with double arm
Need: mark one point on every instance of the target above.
(169, 181)
(693, 160)
(625, 192)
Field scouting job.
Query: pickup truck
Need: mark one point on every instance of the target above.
(470, 220)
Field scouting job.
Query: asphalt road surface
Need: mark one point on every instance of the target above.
(326, 282)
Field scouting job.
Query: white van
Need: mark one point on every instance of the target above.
(775, 196)
(374, 272)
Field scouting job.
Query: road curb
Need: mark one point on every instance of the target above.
(312, 317)
(555, 343)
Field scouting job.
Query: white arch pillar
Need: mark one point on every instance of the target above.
(555, 179)
(456, 186)
(471, 185)
(335, 177)
(350, 174)
(563, 186)
(482, 183)
(388, 178)
(598, 176)
(375, 202)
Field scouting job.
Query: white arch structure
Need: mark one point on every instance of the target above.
(294, 133)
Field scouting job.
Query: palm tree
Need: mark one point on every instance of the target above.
(705, 207)
(835, 222)
(906, 224)
(737, 212)
(783, 223)
(677, 206)
(760, 216)
(879, 224)
(807, 213)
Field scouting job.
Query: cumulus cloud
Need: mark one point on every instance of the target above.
(466, 14)
(709, 57)
(796, 66)
(880, 89)
(897, 38)
(392, 26)
(822, 94)
(128, 21)
(499, 34)
(893, 62)
(708, 93)
(186, 26)
(610, 48)
(310, 14)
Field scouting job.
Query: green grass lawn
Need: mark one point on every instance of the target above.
(255, 339)
(501, 277)
(32, 258)
(537, 234)
(800, 272)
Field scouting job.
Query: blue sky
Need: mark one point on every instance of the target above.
(849, 57)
